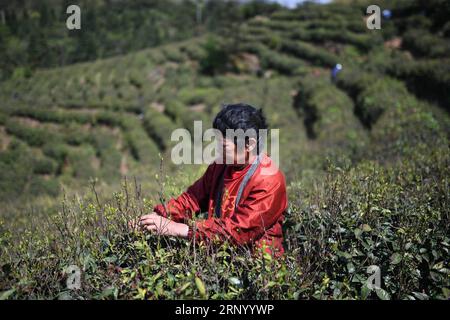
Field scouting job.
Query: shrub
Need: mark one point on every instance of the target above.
(15, 170)
(175, 110)
(159, 127)
(109, 118)
(157, 56)
(74, 134)
(57, 151)
(353, 81)
(284, 64)
(195, 51)
(106, 145)
(141, 146)
(173, 54)
(136, 78)
(364, 42)
(216, 56)
(45, 165)
(191, 96)
(310, 53)
(359, 221)
(404, 130)
(39, 186)
(373, 100)
(348, 221)
(333, 24)
(55, 115)
(33, 136)
(316, 12)
(328, 117)
(425, 44)
(427, 78)
(80, 163)
(2, 118)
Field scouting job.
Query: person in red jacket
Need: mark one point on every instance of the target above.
(245, 199)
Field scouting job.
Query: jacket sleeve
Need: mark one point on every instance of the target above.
(194, 199)
(262, 208)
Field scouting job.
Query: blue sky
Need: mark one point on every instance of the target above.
(293, 3)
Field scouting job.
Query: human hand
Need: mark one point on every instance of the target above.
(161, 225)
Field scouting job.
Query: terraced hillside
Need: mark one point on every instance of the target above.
(354, 148)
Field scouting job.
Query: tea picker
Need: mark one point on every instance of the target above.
(387, 14)
(334, 72)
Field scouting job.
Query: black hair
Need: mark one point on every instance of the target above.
(240, 116)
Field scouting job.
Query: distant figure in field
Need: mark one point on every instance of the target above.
(245, 204)
(334, 72)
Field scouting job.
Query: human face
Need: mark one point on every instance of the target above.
(234, 154)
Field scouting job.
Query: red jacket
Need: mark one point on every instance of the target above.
(257, 219)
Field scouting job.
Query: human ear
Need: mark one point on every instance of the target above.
(251, 144)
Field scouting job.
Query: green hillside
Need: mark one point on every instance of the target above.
(85, 147)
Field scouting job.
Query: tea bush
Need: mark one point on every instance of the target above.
(108, 148)
(271, 59)
(159, 127)
(215, 59)
(358, 220)
(33, 136)
(316, 56)
(329, 119)
(45, 165)
(141, 146)
(54, 115)
(2, 118)
(425, 44)
(57, 151)
(191, 96)
(364, 42)
(16, 168)
(424, 77)
(351, 220)
(180, 113)
(173, 54)
(194, 51)
(81, 162)
(380, 95)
